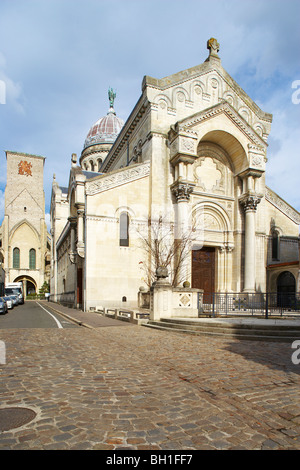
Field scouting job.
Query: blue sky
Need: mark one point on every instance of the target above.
(59, 57)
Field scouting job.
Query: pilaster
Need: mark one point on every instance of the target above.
(72, 252)
(80, 234)
(183, 153)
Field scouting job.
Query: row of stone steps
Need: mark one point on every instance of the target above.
(257, 330)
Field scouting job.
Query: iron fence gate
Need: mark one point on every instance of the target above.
(254, 304)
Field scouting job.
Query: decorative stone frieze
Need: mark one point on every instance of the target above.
(226, 109)
(123, 176)
(283, 206)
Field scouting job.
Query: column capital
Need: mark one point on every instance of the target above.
(80, 212)
(72, 257)
(249, 201)
(182, 191)
(73, 221)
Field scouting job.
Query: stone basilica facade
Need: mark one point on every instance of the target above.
(192, 153)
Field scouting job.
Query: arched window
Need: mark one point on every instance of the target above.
(124, 229)
(99, 164)
(275, 245)
(32, 259)
(16, 258)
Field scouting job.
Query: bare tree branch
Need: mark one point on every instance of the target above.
(161, 249)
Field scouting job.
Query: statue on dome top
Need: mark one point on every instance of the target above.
(111, 97)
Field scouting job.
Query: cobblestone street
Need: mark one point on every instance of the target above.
(129, 387)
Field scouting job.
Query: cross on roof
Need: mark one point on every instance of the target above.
(213, 46)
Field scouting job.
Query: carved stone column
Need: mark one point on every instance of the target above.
(72, 253)
(183, 153)
(224, 276)
(182, 192)
(249, 201)
(221, 266)
(228, 268)
(80, 234)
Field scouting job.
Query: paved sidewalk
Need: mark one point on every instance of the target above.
(118, 386)
(87, 319)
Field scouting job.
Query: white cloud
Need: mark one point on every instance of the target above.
(11, 93)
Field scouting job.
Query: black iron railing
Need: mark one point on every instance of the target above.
(254, 304)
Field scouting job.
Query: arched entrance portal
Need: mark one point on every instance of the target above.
(211, 263)
(29, 284)
(286, 288)
(286, 283)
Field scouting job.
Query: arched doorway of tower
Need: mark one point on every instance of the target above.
(286, 288)
(29, 284)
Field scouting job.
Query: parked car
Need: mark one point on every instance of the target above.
(15, 299)
(9, 301)
(3, 306)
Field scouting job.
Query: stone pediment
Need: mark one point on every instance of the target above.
(202, 86)
(117, 178)
(188, 124)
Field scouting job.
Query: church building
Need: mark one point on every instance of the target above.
(192, 155)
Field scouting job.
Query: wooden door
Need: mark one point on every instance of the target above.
(203, 269)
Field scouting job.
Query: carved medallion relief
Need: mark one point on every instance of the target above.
(209, 175)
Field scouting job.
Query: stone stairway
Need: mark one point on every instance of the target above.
(248, 329)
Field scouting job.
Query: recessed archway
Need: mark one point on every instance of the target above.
(30, 286)
(230, 144)
(286, 288)
(286, 282)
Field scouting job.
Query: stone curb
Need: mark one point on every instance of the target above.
(78, 322)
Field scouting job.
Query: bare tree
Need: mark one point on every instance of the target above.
(163, 250)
